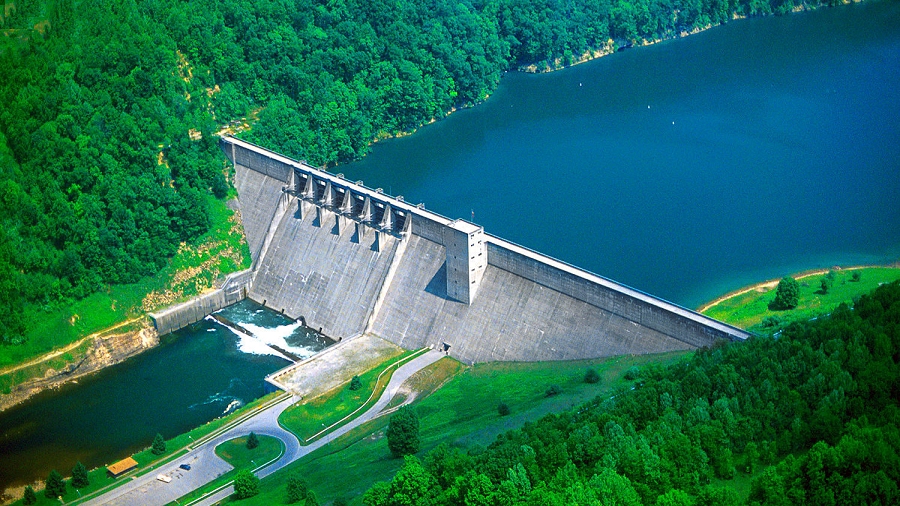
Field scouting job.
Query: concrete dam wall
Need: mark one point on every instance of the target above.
(349, 259)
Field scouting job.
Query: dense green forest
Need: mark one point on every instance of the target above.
(107, 146)
(810, 413)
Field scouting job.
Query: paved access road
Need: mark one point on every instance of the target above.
(207, 466)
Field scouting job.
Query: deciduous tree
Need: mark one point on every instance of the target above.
(403, 432)
(296, 489)
(787, 294)
(246, 484)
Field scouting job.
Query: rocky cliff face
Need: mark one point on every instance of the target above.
(97, 352)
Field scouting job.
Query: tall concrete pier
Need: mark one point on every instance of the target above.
(349, 259)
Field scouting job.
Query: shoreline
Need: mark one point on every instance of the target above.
(611, 48)
(772, 283)
(103, 349)
(588, 56)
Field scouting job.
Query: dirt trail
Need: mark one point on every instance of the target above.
(65, 349)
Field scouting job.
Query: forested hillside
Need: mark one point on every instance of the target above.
(812, 414)
(100, 179)
(107, 152)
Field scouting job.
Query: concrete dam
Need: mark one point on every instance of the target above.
(349, 260)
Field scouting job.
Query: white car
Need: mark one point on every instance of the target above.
(163, 478)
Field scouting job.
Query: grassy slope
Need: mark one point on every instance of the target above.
(463, 413)
(747, 310)
(306, 420)
(147, 461)
(195, 268)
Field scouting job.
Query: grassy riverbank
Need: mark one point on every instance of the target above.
(748, 308)
(148, 462)
(59, 337)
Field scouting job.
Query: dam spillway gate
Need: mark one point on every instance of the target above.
(350, 259)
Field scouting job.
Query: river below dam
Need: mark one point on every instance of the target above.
(685, 169)
(195, 375)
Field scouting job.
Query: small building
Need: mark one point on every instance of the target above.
(121, 467)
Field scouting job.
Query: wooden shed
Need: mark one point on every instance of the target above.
(121, 467)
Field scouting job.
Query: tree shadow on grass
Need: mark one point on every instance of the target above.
(774, 306)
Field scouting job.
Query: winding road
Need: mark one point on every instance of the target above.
(206, 466)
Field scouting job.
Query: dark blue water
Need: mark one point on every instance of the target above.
(195, 375)
(684, 169)
(688, 168)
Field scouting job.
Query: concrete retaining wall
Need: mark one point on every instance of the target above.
(233, 290)
(275, 167)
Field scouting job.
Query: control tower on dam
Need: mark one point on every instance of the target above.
(349, 259)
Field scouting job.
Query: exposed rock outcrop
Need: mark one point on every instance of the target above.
(98, 352)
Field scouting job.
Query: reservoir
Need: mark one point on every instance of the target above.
(684, 169)
(193, 376)
(688, 168)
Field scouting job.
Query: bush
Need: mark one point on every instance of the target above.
(252, 441)
(787, 295)
(159, 445)
(503, 409)
(296, 489)
(553, 390)
(771, 321)
(403, 432)
(856, 276)
(827, 282)
(246, 484)
(633, 373)
(591, 376)
(355, 383)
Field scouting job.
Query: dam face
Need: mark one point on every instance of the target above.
(349, 260)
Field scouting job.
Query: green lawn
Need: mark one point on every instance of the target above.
(462, 412)
(98, 479)
(748, 310)
(236, 453)
(311, 417)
